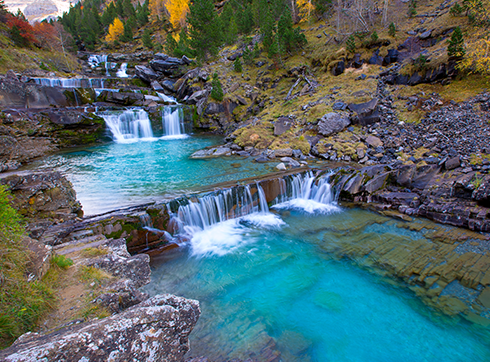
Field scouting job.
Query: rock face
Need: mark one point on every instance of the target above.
(45, 198)
(154, 330)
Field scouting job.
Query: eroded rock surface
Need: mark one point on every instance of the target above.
(154, 330)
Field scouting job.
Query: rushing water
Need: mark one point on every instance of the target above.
(266, 276)
(114, 175)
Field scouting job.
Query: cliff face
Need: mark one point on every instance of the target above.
(37, 10)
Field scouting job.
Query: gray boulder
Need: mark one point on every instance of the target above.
(156, 329)
(332, 123)
(145, 74)
(282, 125)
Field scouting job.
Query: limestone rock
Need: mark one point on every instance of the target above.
(281, 167)
(145, 74)
(332, 123)
(374, 141)
(156, 329)
(282, 125)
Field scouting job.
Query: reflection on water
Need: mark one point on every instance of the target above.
(116, 175)
(268, 286)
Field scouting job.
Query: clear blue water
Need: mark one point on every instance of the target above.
(114, 175)
(266, 281)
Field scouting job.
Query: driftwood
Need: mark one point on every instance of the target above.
(292, 88)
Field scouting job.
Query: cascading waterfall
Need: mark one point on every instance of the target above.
(166, 98)
(128, 126)
(70, 82)
(173, 122)
(308, 193)
(121, 73)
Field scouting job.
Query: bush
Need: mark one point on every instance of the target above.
(217, 90)
(61, 261)
(374, 37)
(456, 10)
(420, 62)
(351, 44)
(392, 30)
(237, 65)
(412, 8)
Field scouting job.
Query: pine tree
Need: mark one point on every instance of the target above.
(237, 65)
(456, 44)
(392, 30)
(374, 37)
(147, 39)
(351, 44)
(204, 37)
(245, 21)
(142, 14)
(170, 45)
(216, 90)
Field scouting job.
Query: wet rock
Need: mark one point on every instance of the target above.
(376, 183)
(156, 86)
(353, 186)
(339, 106)
(262, 158)
(282, 125)
(283, 152)
(197, 96)
(157, 328)
(291, 162)
(281, 167)
(122, 98)
(332, 123)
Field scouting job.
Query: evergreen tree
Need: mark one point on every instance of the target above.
(392, 30)
(216, 90)
(204, 37)
(267, 31)
(128, 9)
(142, 14)
(456, 44)
(351, 44)
(237, 65)
(147, 39)
(170, 45)
(245, 21)
(374, 37)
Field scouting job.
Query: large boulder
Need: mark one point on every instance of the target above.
(145, 74)
(367, 113)
(282, 125)
(332, 123)
(157, 329)
(122, 98)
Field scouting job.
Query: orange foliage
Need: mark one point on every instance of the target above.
(177, 10)
(115, 30)
(157, 9)
(45, 34)
(25, 29)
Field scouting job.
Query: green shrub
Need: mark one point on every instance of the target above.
(351, 44)
(22, 303)
(392, 30)
(61, 261)
(456, 10)
(374, 37)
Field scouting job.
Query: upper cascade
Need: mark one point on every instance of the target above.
(70, 82)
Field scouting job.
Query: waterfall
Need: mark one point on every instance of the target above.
(128, 126)
(95, 59)
(166, 98)
(307, 193)
(121, 73)
(70, 83)
(173, 122)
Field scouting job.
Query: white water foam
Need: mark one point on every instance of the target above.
(309, 195)
(132, 125)
(228, 236)
(121, 73)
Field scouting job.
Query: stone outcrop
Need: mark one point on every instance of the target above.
(156, 329)
(45, 198)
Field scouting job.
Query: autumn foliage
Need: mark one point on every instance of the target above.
(116, 29)
(21, 32)
(177, 10)
(45, 35)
